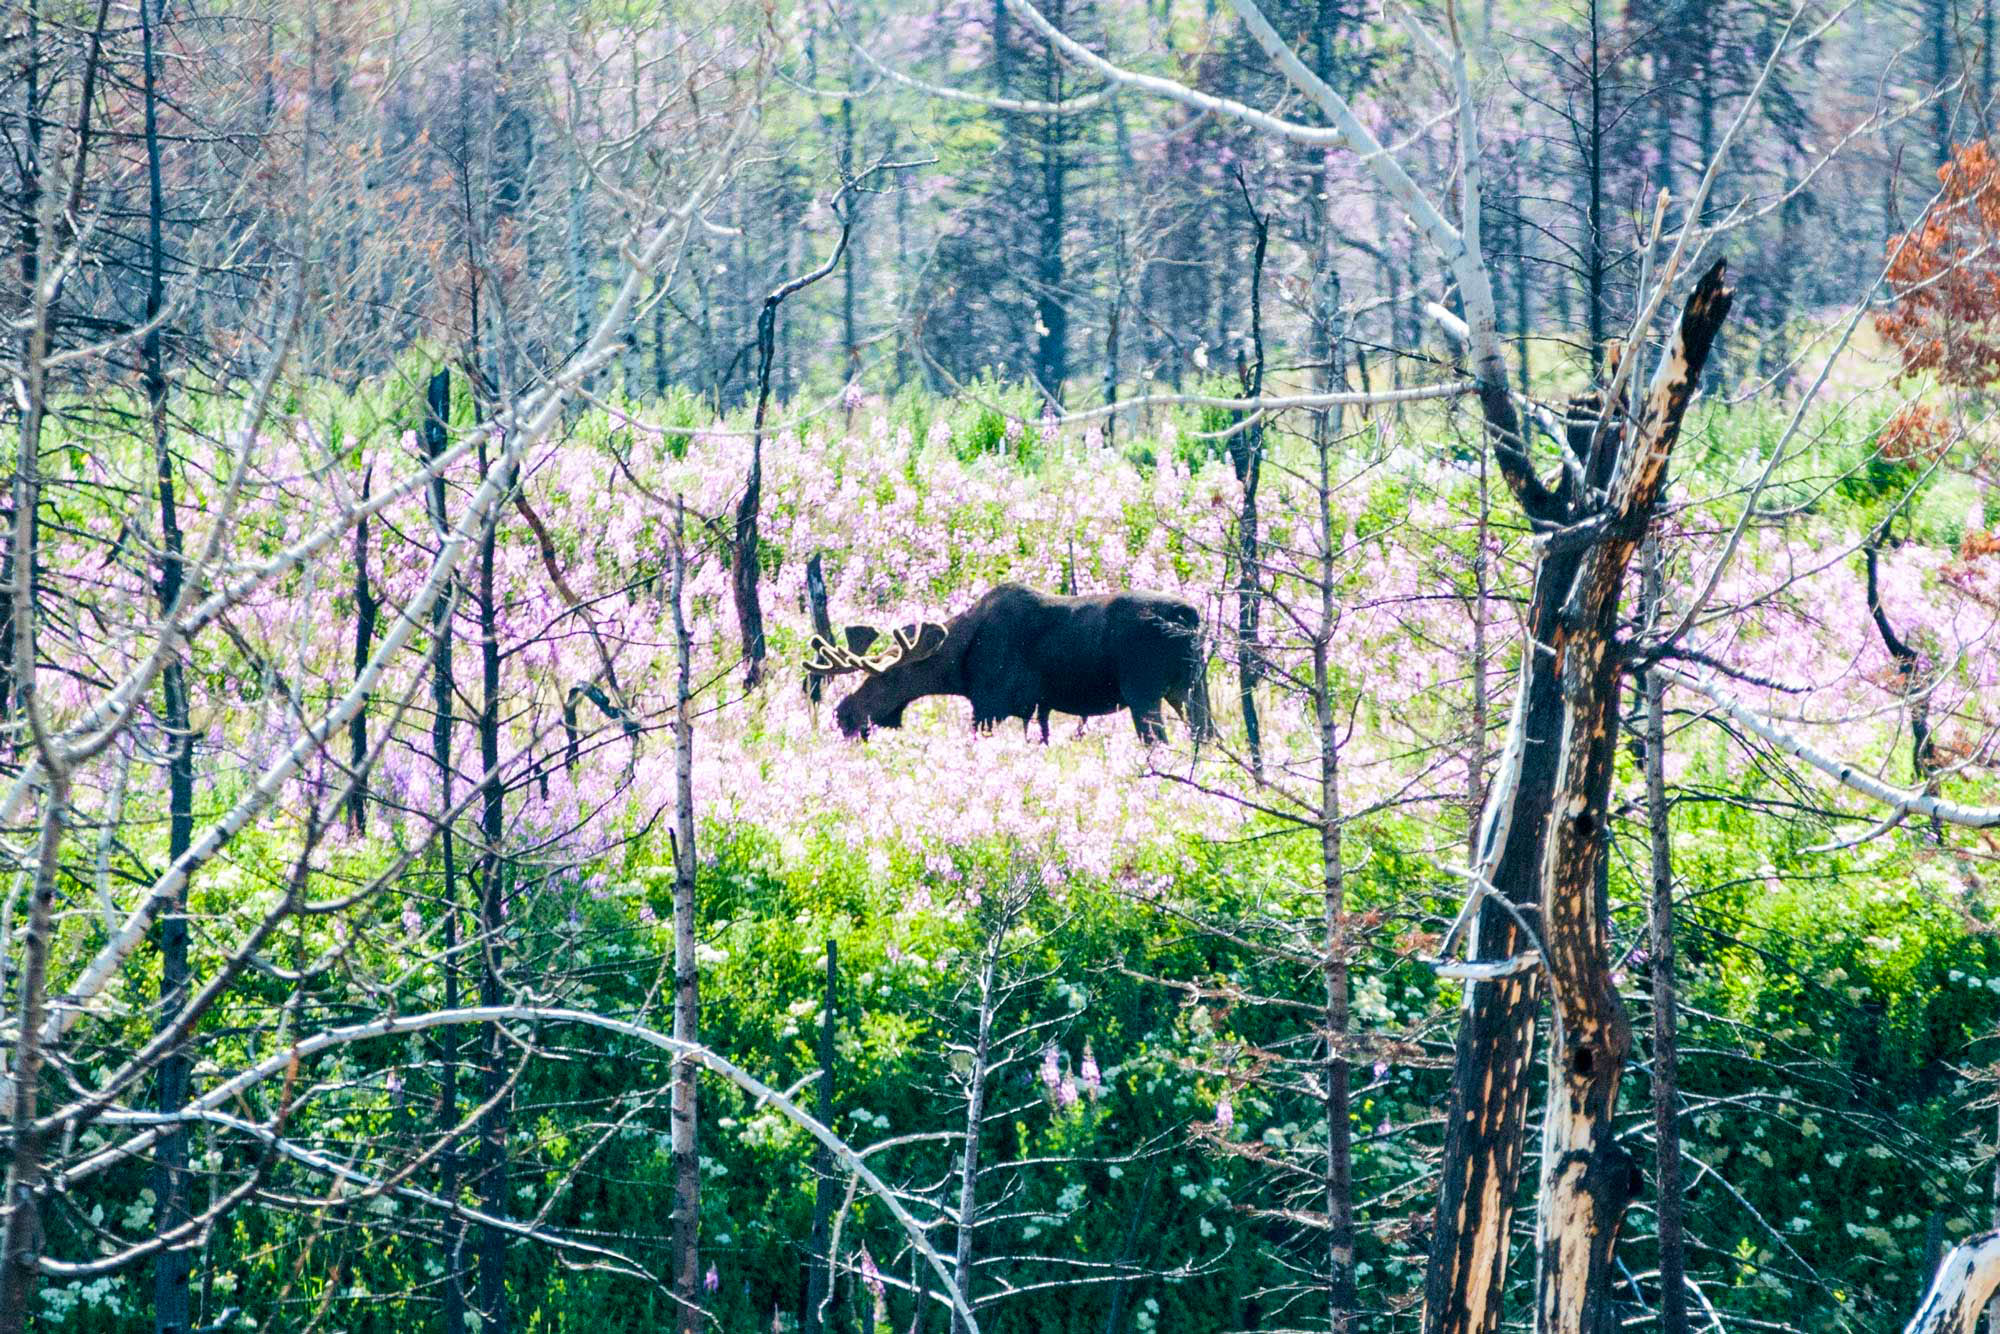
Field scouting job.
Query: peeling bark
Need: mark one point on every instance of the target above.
(1966, 1280)
(1587, 1177)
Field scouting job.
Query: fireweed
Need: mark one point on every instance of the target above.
(908, 529)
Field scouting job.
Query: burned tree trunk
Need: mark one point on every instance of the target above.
(822, 619)
(1587, 1176)
(1487, 1116)
(1668, 1207)
(171, 1182)
(1559, 760)
(366, 608)
(1246, 456)
(437, 413)
(744, 547)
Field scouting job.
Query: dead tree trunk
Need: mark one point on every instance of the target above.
(1966, 1280)
(819, 1280)
(1587, 1176)
(496, 870)
(170, 1178)
(743, 552)
(437, 412)
(1567, 694)
(366, 609)
(1487, 1117)
(975, 1122)
(1668, 1208)
(1246, 456)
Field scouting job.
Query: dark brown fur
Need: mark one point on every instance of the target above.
(1021, 654)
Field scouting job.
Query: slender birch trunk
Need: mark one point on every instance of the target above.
(975, 1121)
(687, 999)
(1340, 1294)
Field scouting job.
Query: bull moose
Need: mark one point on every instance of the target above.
(1017, 653)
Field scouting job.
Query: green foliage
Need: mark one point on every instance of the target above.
(997, 417)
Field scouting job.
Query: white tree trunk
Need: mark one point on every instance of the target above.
(1966, 1280)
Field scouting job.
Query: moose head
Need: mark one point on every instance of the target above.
(890, 681)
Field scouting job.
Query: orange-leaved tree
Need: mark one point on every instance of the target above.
(1945, 272)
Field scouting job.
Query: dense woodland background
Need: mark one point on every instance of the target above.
(404, 399)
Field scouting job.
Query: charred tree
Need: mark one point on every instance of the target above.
(1246, 457)
(437, 412)
(744, 550)
(1669, 1207)
(170, 1175)
(1587, 1177)
(366, 609)
(495, 871)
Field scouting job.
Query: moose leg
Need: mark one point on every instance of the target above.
(1041, 716)
(1146, 718)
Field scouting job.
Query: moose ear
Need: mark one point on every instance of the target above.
(860, 638)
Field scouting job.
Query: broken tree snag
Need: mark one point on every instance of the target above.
(1486, 1124)
(822, 621)
(1587, 1178)
(1967, 1278)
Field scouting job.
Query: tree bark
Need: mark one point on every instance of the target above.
(437, 412)
(1246, 456)
(1587, 1177)
(1487, 1113)
(687, 1000)
(495, 872)
(366, 609)
(1669, 1207)
(1967, 1279)
(1051, 312)
(819, 1282)
(170, 1178)
(21, 1237)
(744, 546)
(1339, 1186)
(975, 1122)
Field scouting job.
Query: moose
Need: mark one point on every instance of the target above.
(1018, 653)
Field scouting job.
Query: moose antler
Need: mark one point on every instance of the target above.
(834, 659)
(911, 643)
